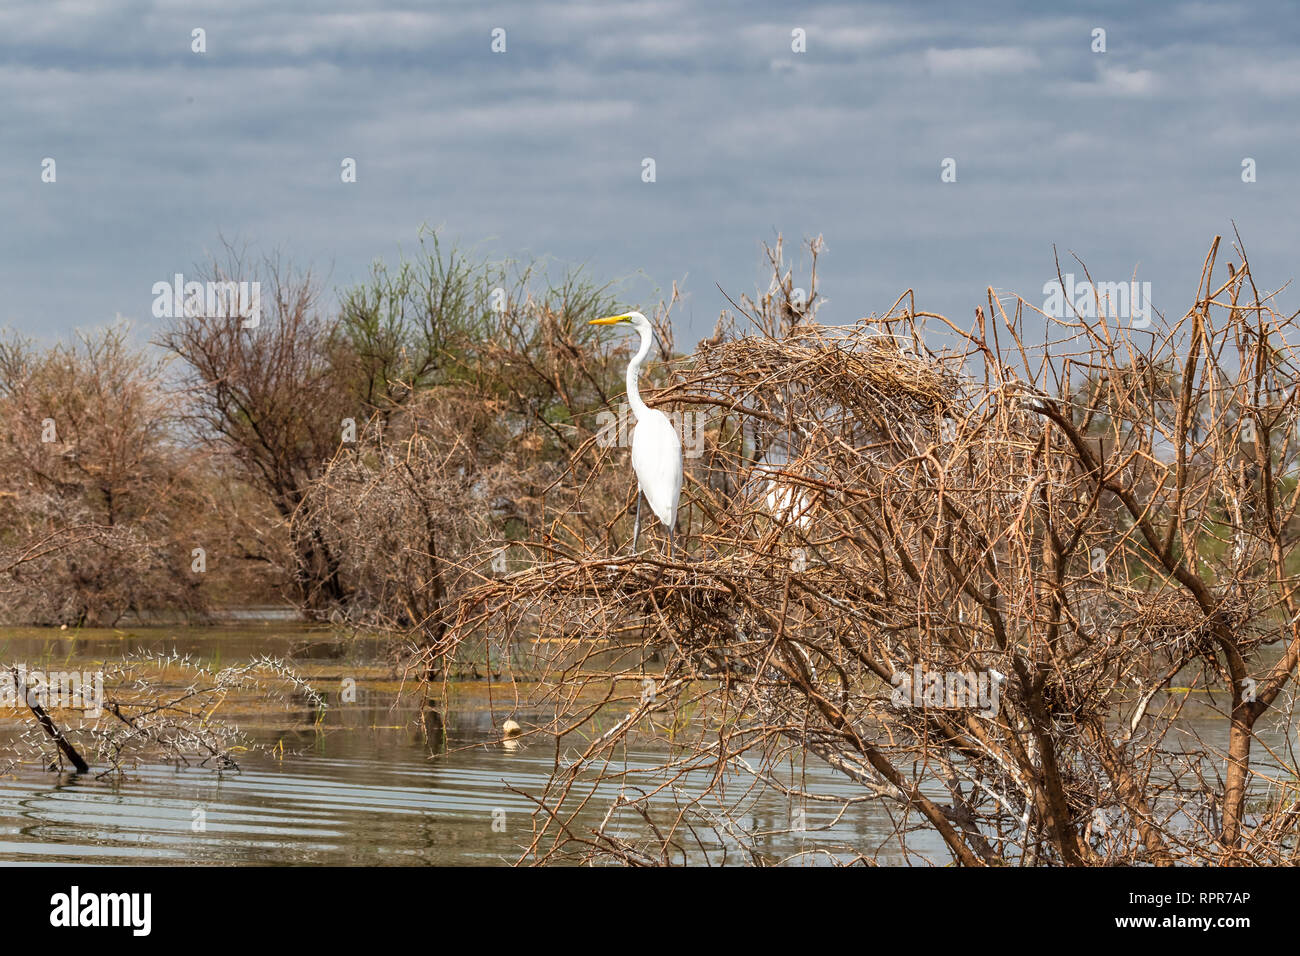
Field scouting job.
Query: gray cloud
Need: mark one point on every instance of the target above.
(1130, 158)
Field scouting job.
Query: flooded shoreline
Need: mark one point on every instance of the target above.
(371, 781)
(365, 785)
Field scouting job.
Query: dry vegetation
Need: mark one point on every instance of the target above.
(1088, 520)
(1096, 522)
(92, 489)
(154, 708)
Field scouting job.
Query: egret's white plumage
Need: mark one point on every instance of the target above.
(657, 461)
(656, 447)
(785, 502)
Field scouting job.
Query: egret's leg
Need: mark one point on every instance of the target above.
(670, 542)
(636, 526)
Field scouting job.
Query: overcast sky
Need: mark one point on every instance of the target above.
(1131, 158)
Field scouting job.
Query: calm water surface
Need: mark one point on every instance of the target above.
(363, 788)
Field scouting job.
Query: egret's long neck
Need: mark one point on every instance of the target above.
(633, 371)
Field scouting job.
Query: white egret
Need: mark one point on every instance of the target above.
(656, 448)
(785, 502)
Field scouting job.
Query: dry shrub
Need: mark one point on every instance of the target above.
(89, 456)
(404, 505)
(1070, 517)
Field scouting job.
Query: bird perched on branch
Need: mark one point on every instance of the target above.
(656, 447)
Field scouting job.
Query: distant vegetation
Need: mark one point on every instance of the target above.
(345, 460)
(979, 577)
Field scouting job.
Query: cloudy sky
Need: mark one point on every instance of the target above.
(1131, 158)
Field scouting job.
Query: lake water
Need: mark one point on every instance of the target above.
(364, 787)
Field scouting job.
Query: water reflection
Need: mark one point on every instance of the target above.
(350, 797)
(376, 782)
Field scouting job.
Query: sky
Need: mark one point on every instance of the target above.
(1131, 158)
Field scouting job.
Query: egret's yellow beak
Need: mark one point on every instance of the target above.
(609, 320)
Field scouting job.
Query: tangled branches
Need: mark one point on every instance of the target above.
(1015, 569)
(151, 707)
